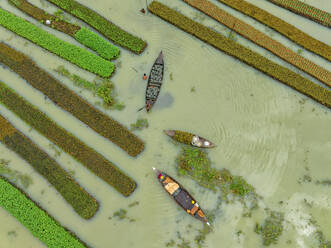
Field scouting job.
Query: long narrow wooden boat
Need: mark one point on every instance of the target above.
(154, 82)
(189, 139)
(181, 196)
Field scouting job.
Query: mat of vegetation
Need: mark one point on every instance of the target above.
(81, 34)
(70, 101)
(286, 29)
(262, 40)
(242, 53)
(74, 54)
(102, 25)
(90, 158)
(82, 202)
(35, 219)
(306, 10)
(102, 87)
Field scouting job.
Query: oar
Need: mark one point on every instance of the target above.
(141, 108)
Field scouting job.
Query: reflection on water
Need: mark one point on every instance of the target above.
(269, 134)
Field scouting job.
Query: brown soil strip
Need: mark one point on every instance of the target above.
(242, 53)
(82, 202)
(286, 29)
(69, 101)
(91, 159)
(262, 40)
(305, 10)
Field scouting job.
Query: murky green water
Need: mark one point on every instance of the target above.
(271, 135)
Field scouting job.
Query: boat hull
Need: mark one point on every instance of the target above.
(189, 139)
(181, 196)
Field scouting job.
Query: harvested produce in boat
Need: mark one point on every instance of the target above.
(189, 139)
(154, 82)
(181, 196)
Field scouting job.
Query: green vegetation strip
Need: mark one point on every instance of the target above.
(82, 202)
(66, 141)
(82, 35)
(244, 54)
(286, 29)
(262, 40)
(306, 10)
(102, 25)
(69, 101)
(35, 219)
(74, 54)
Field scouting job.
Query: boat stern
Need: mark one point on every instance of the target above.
(170, 133)
(159, 59)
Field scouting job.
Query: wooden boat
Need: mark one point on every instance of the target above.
(181, 196)
(189, 139)
(154, 82)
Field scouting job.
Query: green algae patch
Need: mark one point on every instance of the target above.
(103, 88)
(102, 25)
(14, 176)
(323, 243)
(74, 54)
(271, 229)
(81, 34)
(261, 39)
(70, 101)
(305, 10)
(35, 219)
(183, 137)
(82, 202)
(286, 29)
(140, 124)
(86, 155)
(195, 163)
(220, 42)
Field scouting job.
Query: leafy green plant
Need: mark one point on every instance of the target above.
(102, 25)
(74, 54)
(139, 125)
(35, 219)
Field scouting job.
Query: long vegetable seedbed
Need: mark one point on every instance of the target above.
(306, 10)
(102, 25)
(82, 202)
(86, 155)
(242, 53)
(74, 54)
(35, 219)
(70, 101)
(83, 35)
(262, 40)
(286, 29)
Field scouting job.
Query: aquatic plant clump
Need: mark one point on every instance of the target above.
(102, 25)
(306, 10)
(286, 29)
(262, 40)
(81, 34)
(86, 155)
(70, 101)
(74, 54)
(35, 219)
(195, 163)
(14, 176)
(82, 202)
(271, 229)
(103, 89)
(139, 125)
(183, 137)
(276, 71)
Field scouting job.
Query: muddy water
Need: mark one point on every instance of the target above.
(271, 135)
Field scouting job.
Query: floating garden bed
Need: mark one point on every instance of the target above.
(82, 35)
(102, 25)
(286, 29)
(242, 53)
(262, 40)
(306, 10)
(35, 219)
(70, 101)
(74, 54)
(82, 202)
(66, 141)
